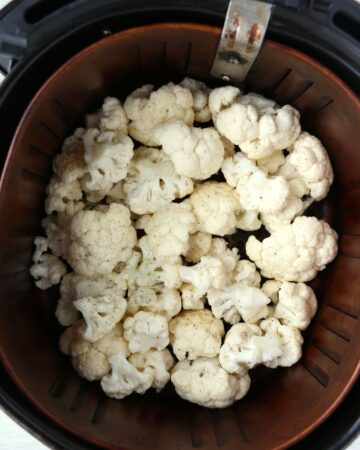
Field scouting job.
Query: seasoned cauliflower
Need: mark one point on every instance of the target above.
(205, 382)
(146, 330)
(156, 299)
(91, 360)
(290, 341)
(294, 252)
(62, 196)
(47, 269)
(196, 333)
(169, 228)
(296, 304)
(216, 206)
(101, 314)
(110, 117)
(195, 152)
(236, 301)
(99, 239)
(309, 164)
(198, 246)
(161, 362)
(256, 190)
(254, 123)
(200, 93)
(70, 165)
(152, 182)
(147, 108)
(125, 378)
(107, 154)
(198, 279)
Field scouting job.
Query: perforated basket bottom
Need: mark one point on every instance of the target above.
(283, 405)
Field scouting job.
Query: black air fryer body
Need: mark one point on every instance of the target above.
(37, 36)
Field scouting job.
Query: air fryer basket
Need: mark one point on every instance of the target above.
(287, 403)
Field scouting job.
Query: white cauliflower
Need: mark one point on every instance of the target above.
(248, 221)
(47, 269)
(147, 108)
(107, 154)
(294, 252)
(110, 117)
(205, 382)
(290, 339)
(91, 360)
(198, 279)
(161, 362)
(309, 164)
(99, 239)
(254, 123)
(195, 152)
(216, 206)
(125, 379)
(153, 272)
(156, 299)
(271, 164)
(271, 289)
(229, 257)
(245, 272)
(169, 228)
(200, 93)
(256, 190)
(293, 208)
(236, 301)
(245, 347)
(101, 314)
(196, 333)
(152, 182)
(296, 305)
(199, 246)
(70, 165)
(62, 196)
(146, 330)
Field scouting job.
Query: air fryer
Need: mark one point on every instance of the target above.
(37, 37)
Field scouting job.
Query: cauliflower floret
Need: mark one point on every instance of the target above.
(195, 152)
(296, 305)
(257, 192)
(169, 228)
(245, 272)
(111, 117)
(146, 330)
(62, 196)
(90, 360)
(245, 347)
(293, 208)
(196, 333)
(248, 221)
(229, 257)
(271, 164)
(254, 123)
(294, 252)
(156, 299)
(271, 289)
(70, 165)
(309, 164)
(236, 301)
(209, 272)
(147, 108)
(99, 239)
(47, 269)
(152, 182)
(161, 362)
(205, 382)
(57, 229)
(108, 155)
(290, 339)
(200, 93)
(101, 314)
(199, 246)
(125, 379)
(216, 206)
(153, 272)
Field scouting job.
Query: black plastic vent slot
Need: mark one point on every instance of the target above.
(44, 8)
(347, 24)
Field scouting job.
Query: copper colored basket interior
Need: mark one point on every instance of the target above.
(283, 405)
